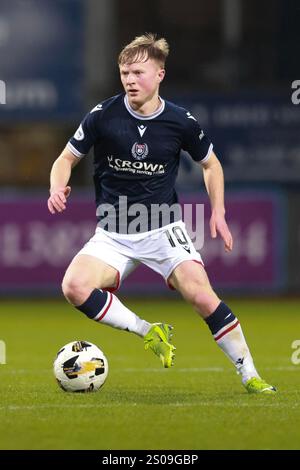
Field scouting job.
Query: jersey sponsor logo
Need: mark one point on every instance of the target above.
(79, 134)
(140, 168)
(139, 151)
(142, 130)
(96, 108)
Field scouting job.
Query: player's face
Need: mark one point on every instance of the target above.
(141, 80)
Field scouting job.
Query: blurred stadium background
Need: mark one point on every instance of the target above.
(232, 64)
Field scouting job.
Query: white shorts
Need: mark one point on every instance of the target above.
(161, 250)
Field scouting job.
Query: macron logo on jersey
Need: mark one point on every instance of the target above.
(96, 108)
(191, 117)
(142, 130)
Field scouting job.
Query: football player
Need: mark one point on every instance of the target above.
(137, 137)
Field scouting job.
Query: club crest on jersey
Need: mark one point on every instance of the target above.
(139, 151)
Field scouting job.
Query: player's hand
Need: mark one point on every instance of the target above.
(218, 225)
(58, 199)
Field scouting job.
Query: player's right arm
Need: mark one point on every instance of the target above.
(77, 147)
(59, 178)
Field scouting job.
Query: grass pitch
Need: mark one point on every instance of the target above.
(198, 404)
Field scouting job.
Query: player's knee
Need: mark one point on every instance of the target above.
(204, 300)
(201, 301)
(75, 290)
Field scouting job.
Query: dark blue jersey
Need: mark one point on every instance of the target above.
(136, 158)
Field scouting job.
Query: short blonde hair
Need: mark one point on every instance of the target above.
(145, 47)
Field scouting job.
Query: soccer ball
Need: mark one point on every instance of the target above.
(80, 366)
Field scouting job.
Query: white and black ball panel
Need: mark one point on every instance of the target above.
(80, 366)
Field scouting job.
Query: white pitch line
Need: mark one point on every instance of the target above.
(177, 405)
(204, 369)
(189, 369)
(286, 368)
(152, 369)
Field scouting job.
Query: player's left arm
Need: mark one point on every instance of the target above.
(214, 182)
